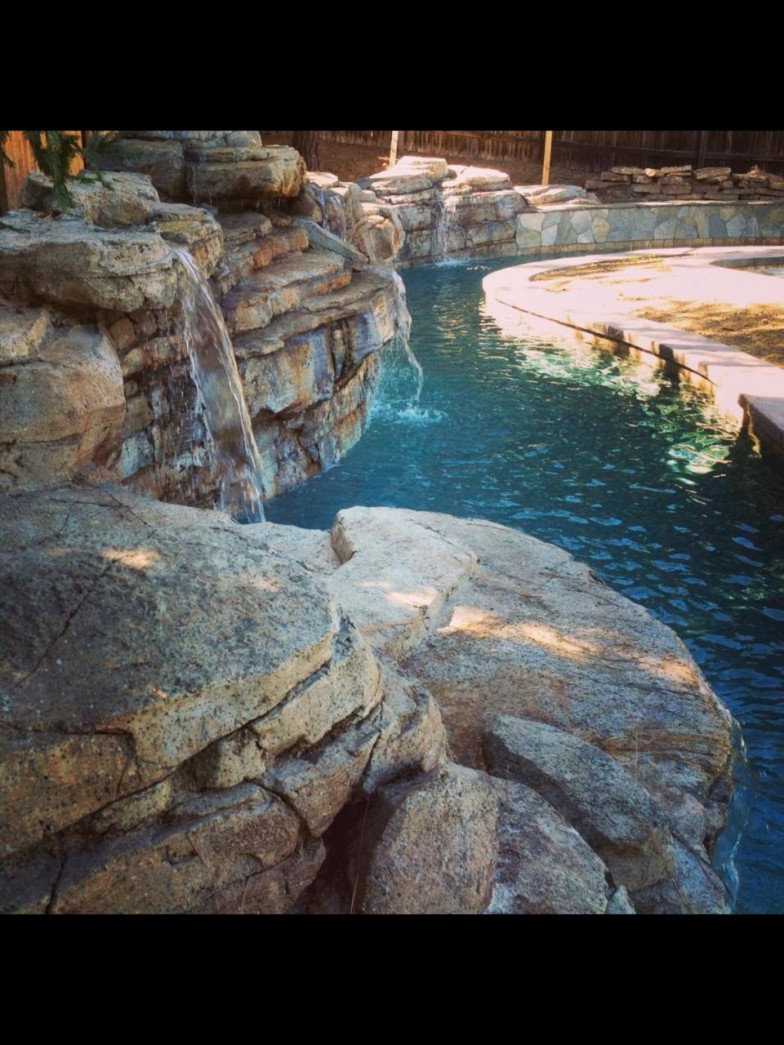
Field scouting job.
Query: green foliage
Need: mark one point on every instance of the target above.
(54, 153)
(98, 144)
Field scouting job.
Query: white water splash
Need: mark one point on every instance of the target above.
(399, 390)
(220, 389)
(397, 396)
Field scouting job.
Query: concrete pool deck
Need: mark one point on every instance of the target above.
(605, 300)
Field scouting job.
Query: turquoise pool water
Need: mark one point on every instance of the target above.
(631, 473)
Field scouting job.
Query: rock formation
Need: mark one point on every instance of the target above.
(196, 713)
(455, 212)
(514, 638)
(306, 323)
(411, 713)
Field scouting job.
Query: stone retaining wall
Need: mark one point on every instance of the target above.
(439, 212)
(571, 228)
(685, 182)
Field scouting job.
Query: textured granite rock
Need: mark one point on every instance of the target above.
(455, 809)
(61, 396)
(65, 261)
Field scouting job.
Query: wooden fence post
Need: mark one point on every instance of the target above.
(548, 147)
(701, 144)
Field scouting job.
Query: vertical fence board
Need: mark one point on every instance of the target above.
(18, 149)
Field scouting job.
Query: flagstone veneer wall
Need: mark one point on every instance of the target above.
(566, 228)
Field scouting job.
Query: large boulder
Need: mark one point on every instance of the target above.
(108, 200)
(494, 622)
(129, 649)
(247, 173)
(65, 261)
(186, 709)
(410, 174)
(162, 161)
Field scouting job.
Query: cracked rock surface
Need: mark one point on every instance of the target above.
(615, 750)
(195, 715)
(184, 710)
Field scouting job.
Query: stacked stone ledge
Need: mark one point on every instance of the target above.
(444, 211)
(686, 183)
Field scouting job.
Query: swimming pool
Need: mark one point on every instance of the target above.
(610, 459)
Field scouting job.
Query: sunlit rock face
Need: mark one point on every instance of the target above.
(496, 623)
(187, 710)
(200, 715)
(446, 211)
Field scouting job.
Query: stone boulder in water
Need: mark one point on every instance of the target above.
(189, 705)
(494, 622)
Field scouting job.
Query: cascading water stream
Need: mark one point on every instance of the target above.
(439, 242)
(225, 410)
(400, 385)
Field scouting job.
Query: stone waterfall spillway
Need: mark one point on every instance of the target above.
(225, 411)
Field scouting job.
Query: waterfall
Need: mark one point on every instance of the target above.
(225, 410)
(439, 243)
(403, 327)
(399, 390)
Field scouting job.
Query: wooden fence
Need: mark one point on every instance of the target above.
(579, 150)
(591, 150)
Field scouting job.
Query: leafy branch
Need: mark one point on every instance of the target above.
(55, 151)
